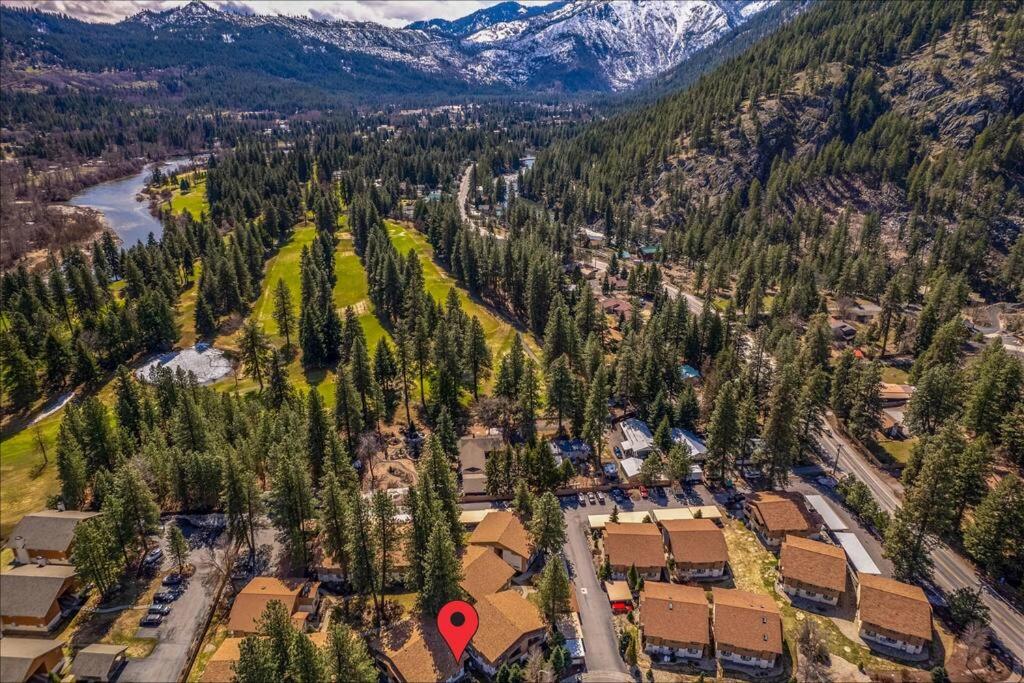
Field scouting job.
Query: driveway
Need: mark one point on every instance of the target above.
(187, 620)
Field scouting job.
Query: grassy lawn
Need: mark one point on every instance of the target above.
(899, 450)
(893, 375)
(193, 201)
(499, 332)
(186, 310)
(755, 570)
(26, 482)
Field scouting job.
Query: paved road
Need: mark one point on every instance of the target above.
(462, 200)
(188, 614)
(951, 570)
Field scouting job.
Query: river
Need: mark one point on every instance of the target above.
(129, 218)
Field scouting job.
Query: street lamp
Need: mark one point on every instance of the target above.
(835, 463)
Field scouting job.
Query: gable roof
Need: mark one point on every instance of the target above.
(473, 451)
(629, 544)
(417, 652)
(219, 666)
(50, 530)
(696, 540)
(31, 590)
(814, 563)
(96, 660)
(18, 655)
(896, 606)
(502, 528)
(748, 621)
(252, 600)
(675, 613)
(483, 571)
(505, 617)
(780, 512)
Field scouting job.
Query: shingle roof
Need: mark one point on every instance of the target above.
(748, 621)
(417, 652)
(17, 655)
(96, 660)
(483, 571)
(812, 562)
(504, 529)
(675, 613)
(254, 598)
(781, 513)
(696, 540)
(634, 544)
(218, 667)
(31, 590)
(50, 530)
(896, 606)
(505, 617)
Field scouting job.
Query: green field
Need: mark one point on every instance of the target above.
(26, 483)
(193, 201)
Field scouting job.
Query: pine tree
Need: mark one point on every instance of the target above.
(279, 389)
(240, 499)
(95, 554)
(385, 373)
(554, 590)
(291, 503)
(441, 571)
(20, 382)
(780, 440)
(523, 501)
(362, 550)
(254, 349)
(997, 389)
(177, 547)
(478, 356)
(866, 411)
(386, 537)
(561, 392)
(139, 513)
(995, 537)
(680, 460)
(529, 400)
(128, 406)
(348, 416)
(723, 433)
(547, 525)
(347, 658)
(305, 663)
(596, 412)
(317, 435)
(510, 371)
(843, 387)
(284, 312)
(255, 662)
(275, 625)
(935, 401)
(70, 469)
(362, 380)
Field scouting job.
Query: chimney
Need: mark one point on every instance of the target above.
(20, 553)
(60, 506)
(40, 561)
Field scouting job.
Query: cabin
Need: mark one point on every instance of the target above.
(473, 454)
(34, 598)
(27, 659)
(893, 614)
(300, 598)
(510, 625)
(637, 440)
(414, 651)
(775, 515)
(502, 532)
(47, 534)
(697, 547)
(637, 545)
(675, 621)
(99, 662)
(484, 572)
(812, 570)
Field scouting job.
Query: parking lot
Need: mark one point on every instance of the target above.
(189, 612)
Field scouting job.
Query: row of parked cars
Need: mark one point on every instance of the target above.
(173, 585)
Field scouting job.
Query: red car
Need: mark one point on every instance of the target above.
(643, 491)
(619, 607)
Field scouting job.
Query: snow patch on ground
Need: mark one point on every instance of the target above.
(54, 405)
(206, 362)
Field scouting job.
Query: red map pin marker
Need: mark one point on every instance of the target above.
(457, 621)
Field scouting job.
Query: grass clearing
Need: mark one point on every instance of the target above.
(894, 375)
(194, 200)
(898, 450)
(27, 483)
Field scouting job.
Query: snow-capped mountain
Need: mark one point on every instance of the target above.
(582, 45)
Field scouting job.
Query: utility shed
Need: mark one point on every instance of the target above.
(98, 662)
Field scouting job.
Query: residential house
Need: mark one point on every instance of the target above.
(98, 662)
(593, 238)
(675, 621)
(299, 597)
(696, 446)
(863, 312)
(615, 307)
(842, 330)
(637, 440)
(893, 422)
(698, 548)
(631, 468)
(575, 450)
(748, 628)
(894, 614)
(219, 667)
(483, 572)
(473, 454)
(509, 626)
(48, 534)
(634, 544)
(775, 515)
(507, 537)
(892, 395)
(812, 570)
(34, 598)
(414, 651)
(649, 253)
(25, 659)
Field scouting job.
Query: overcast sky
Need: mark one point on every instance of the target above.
(388, 12)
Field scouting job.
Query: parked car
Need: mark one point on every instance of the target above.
(172, 580)
(600, 497)
(581, 499)
(591, 498)
(151, 620)
(617, 493)
(618, 452)
(162, 610)
(643, 491)
(153, 556)
(659, 491)
(166, 596)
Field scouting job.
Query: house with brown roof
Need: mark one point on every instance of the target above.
(483, 572)
(634, 544)
(509, 626)
(894, 614)
(413, 651)
(748, 628)
(892, 394)
(697, 547)
(502, 532)
(812, 570)
(48, 534)
(98, 662)
(675, 621)
(776, 514)
(473, 454)
(34, 598)
(299, 597)
(25, 659)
